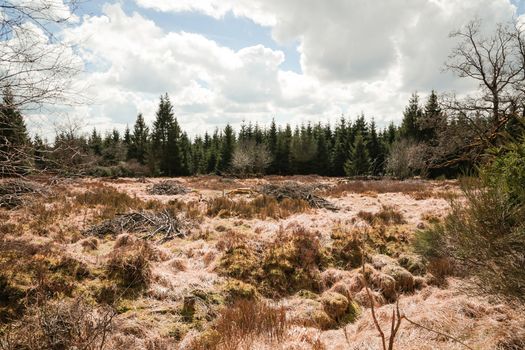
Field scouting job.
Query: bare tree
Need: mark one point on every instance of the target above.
(251, 158)
(37, 68)
(34, 62)
(494, 62)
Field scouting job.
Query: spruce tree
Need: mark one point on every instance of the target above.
(165, 139)
(433, 119)
(272, 147)
(322, 162)
(375, 151)
(227, 148)
(284, 145)
(411, 119)
(95, 143)
(139, 140)
(340, 148)
(358, 163)
(13, 130)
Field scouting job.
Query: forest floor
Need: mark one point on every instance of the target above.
(230, 268)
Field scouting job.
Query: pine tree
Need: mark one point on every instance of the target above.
(322, 162)
(391, 134)
(375, 151)
(139, 141)
(95, 142)
(13, 130)
(340, 148)
(411, 119)
(272, 146)
(227, 148)
(127, 136)
(432, 121)
(358, 163)
(198, 156)
(284, 145)
(213, 153)
(165, 139)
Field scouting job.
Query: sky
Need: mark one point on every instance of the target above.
(297, 61)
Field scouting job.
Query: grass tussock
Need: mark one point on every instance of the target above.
(261, 207)
(239, 326)
(290, 263)
(110, 200)
(129, 265)
(388, 215)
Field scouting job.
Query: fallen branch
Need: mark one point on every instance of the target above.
(168, 188)
(14, 192)
(150, 224)
(294, 190)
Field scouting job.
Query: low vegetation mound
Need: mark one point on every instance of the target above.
(290, 263)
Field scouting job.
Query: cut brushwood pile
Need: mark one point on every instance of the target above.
(150, 224)
(168, 188)
(13, 193)
(293, 190)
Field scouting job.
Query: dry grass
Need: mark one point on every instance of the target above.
(240, 325)
(376, 186)
(286, 265)
(261, 207)
(388, 215)
(129, 265)
(210, 182)
(61, 324)
(110, 200)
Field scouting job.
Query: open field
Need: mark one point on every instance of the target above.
(222, 266)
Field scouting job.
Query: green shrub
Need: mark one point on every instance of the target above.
(485, 232)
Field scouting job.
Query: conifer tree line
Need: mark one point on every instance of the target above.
(348, 148)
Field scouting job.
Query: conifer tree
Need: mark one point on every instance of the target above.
(433, 120)
(13, 131)
(284, 144)
(340, 149)
(95, 142)
(375, 151)
(227, 148)
(322, 162)
(139, 141)
(411, 119)
(358, 163)
(271, 140)
(165, 139)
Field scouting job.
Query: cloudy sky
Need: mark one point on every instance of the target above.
(293, 60)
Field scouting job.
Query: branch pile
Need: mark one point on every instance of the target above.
(293, 190)
(168, 188)
(149, 224)
(14, 192)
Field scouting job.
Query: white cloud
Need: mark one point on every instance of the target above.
(356, 56)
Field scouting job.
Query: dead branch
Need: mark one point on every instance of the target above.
(168, 188)
(149, 224)
(293, 190)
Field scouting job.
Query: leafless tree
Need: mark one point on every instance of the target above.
(494, 62)
(36, 66)
(250, 158)
(34, 62)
